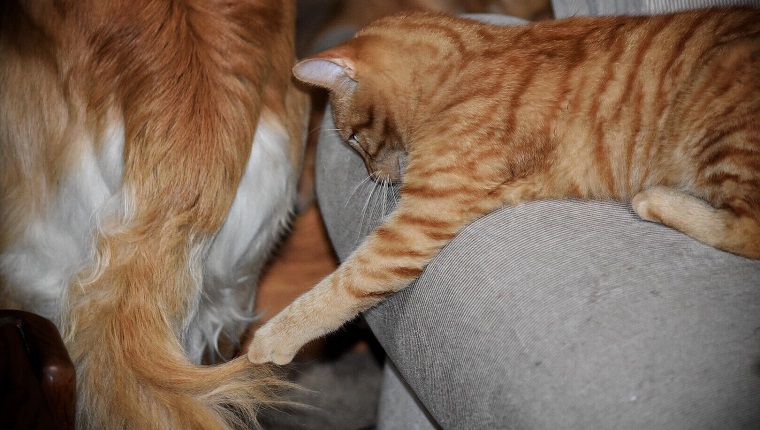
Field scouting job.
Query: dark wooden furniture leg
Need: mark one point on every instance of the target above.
(37, 377)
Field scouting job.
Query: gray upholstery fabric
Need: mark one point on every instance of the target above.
(558, 315)
(399, 407)
(565, 8)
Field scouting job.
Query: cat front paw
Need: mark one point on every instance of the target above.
(267, 346)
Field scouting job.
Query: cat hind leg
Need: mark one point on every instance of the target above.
(722, 228)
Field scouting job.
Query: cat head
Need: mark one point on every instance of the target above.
(376, 82)
(363, 115)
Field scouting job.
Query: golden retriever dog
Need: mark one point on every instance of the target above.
(149, 151)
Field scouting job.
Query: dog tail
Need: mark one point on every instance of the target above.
(122, 329)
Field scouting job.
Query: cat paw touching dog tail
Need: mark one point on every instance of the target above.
(149, 152)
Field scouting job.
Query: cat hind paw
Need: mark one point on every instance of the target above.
(647, 202)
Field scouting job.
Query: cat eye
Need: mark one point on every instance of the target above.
(353, 138)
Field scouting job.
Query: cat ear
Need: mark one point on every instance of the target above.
(334, 74)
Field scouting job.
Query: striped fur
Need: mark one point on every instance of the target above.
(660, 111)
(135, 137)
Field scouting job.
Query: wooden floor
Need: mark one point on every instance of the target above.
(303, 260)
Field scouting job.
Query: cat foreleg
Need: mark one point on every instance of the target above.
(372, 273)
(392, 256)
(722, 228)
(316, 313)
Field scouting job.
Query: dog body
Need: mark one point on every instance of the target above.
(149, 152)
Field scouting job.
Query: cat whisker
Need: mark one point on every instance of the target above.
(356, 188)
(377, 206)
(396, 194)
(313, 130)
(390, 191)
(319, 129)
(384, 184)
(364, 212)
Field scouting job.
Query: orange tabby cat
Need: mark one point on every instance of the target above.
(661, 111)
(148, 158)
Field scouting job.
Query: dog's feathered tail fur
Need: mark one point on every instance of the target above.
(122, 333)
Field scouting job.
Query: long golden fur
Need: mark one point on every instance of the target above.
(662, 112)
(189, 82)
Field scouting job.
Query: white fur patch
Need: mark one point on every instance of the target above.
(258, 215)
(57, 242)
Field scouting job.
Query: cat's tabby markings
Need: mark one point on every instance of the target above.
(660, 111)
